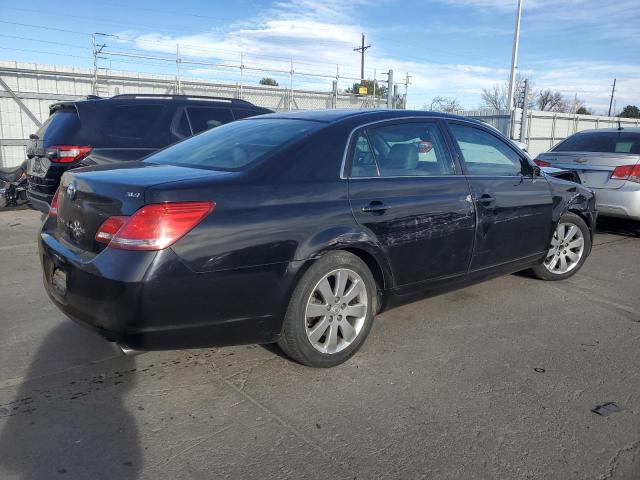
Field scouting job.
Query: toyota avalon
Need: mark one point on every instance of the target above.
(298, 228)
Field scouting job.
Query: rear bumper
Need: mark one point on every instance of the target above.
(152, 301)
(622, 202)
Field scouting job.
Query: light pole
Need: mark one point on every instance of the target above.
(514, 61)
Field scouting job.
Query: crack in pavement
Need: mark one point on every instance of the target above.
(613, 463)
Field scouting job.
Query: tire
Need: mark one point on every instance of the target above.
(340, 328)
(553, 268)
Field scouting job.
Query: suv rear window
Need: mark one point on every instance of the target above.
(605, 142)
(59, 127)
(132, 121)
(235, 145)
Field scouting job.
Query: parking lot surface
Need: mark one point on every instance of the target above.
(498, 380)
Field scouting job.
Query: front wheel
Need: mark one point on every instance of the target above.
(330, 312)
(569, 248)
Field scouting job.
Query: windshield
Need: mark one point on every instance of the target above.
(236, 145)
(605, 142)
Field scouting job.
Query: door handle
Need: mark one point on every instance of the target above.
(375, 207)
(486, 200)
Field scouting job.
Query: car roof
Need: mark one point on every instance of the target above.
(364, 115)
(169, 98)
(609, 130)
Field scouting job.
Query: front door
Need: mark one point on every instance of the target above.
(405, 188)
(513, 206)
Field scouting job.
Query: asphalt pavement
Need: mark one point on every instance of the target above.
(511, 378)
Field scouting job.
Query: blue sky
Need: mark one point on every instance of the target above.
(451, 48)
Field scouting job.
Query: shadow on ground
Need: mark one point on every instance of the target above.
(618, 226)
(74, 424)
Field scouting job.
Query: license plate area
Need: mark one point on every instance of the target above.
(38, 167)
(59, 281)
(593, 178)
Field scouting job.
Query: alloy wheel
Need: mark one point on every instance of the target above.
(336, 311)
(566, 249)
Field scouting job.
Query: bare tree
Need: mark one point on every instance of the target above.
(551, 101)
(497, 97)
(443, 104)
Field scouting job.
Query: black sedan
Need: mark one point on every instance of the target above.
(298, 228)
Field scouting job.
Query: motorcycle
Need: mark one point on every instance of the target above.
(13, 186)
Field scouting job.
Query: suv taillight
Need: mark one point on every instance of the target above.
(67, 153)
(153, 227)
(627, 172)
(541, 163)
(53, 208)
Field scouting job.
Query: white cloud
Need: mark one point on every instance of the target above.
(318, 34)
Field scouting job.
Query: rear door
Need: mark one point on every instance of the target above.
(594, 156)
(513, 206)
(405, 188)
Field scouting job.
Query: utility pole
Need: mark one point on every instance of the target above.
(407, 82)
(514, 62)
(613, 91)
(178, 60)
(362, 49)
(96, 51)
(390, 89)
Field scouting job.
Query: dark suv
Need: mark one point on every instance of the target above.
(125, 127)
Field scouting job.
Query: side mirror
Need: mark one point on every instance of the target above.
(535, 171)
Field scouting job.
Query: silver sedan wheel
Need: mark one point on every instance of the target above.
(336, 311)
(566, 250)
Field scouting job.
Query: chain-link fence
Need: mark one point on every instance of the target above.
(27, 90)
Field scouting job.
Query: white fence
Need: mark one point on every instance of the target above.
(38, 86)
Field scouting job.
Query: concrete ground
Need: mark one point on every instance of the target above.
(494, 381)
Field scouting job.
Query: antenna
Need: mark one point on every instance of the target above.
(620, 125)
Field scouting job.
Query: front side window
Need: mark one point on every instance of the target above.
(406, 149)
(206, 118)
(235, 145)
(486, 154)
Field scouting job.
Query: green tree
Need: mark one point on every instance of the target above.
(630, 111)
(381, 90)
(268, 81)
(582, 110)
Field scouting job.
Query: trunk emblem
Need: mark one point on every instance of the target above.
(71, 190)
(581, 160)
(76, 230)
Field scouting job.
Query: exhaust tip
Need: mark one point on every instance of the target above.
(129, 352)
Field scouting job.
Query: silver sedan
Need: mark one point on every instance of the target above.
(608, 162)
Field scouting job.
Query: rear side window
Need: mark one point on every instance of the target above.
(236, 145)
(132, 121)
(486, 154)
(205, 118)
(604, 142)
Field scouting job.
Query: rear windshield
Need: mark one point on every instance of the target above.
(606, 142)
(59, 127)
(235, 145)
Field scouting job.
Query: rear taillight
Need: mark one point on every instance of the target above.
(627, 172)
(53, 208)
(153, 227)
(541, 163)
(67, 153)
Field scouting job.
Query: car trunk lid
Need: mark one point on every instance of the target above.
(87, 197)
(593, 168)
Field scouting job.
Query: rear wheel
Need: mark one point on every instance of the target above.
(330, 312)
(570, 245)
